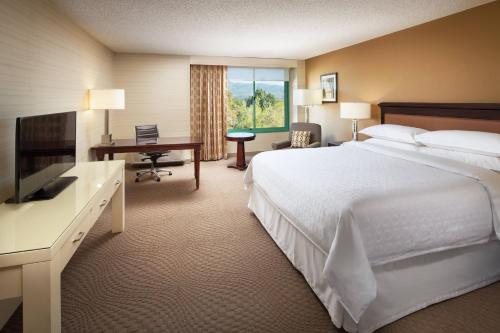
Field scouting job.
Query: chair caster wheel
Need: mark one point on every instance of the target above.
(170, 174)
(137, 174)
(137, 180)
(158, 179)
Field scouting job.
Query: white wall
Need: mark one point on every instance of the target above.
(244, 62)
(156, 92)
(47, 65)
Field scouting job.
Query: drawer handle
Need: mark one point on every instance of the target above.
(103, 203)
(117, 182)
(78, 237)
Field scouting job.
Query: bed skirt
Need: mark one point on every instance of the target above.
(403, 287)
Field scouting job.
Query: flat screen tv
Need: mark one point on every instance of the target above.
(45, 149)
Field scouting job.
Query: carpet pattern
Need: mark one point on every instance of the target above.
(198, 261)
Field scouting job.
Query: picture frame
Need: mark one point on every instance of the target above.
(329, 87)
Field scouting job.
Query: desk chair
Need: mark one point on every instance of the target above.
(148, 134)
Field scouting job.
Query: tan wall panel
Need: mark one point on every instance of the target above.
(453, 59)
(156, 92)
(47, 64)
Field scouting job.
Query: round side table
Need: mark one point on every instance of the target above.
(240, 138)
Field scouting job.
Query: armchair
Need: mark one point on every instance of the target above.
(315, 130)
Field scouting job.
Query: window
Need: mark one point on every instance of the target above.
(257, 99)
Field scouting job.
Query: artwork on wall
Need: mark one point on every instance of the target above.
(329, 87)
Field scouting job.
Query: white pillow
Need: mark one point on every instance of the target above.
(465, 141)
(393, 132)
(482, 161)
(393, 144)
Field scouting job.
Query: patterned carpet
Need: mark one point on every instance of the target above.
(198, 261)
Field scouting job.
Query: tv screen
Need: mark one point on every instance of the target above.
(45, 148)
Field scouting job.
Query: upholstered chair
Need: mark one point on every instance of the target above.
(315, 140)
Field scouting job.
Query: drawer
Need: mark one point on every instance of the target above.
(107, 191)
(87, 220)
(74, 240)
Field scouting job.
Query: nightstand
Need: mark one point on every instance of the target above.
(335, 143)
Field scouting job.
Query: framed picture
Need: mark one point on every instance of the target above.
(329, 87)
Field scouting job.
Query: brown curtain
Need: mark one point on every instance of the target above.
(208, 109)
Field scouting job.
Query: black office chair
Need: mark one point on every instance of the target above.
(148, 134)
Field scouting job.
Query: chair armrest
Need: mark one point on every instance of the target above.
(314, 145)
(281, 144)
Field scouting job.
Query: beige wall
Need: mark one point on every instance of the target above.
(453, 59)
(156, 92)
(244, 62)
(47, 64)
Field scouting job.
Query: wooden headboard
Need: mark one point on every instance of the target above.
(443, 116)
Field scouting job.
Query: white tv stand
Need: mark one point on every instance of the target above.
(37, 239)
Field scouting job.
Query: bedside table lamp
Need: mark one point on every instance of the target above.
(107, 99)
(307, 98)
(355, 111)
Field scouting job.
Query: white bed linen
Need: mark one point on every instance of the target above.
(482, 161)
(392, 144)
(364, 205)
(475, 142)
(403, 287)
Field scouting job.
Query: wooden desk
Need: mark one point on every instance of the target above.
(37, 239)
(163, 144)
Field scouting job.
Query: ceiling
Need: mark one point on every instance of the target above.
(290, 29)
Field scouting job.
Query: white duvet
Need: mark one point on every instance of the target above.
(364, 205)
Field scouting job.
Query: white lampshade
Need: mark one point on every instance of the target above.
(355, 110)
(307, 97)
(107, 99)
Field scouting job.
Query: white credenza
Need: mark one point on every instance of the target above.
(37, 239)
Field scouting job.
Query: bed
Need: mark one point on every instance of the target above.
(380, 232)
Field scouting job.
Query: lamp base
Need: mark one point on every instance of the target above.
(106, 140)
(354, 130)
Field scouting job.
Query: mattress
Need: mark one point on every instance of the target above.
(363, 206)
(403, 287)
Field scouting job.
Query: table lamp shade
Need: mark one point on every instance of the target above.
(355, 110)
(107, 99)
(307, 97)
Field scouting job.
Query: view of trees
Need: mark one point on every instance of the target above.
(238, 114)
(269, 106)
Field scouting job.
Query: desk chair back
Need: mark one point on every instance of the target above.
(146, 134)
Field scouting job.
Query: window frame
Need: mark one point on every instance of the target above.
(286, 128)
